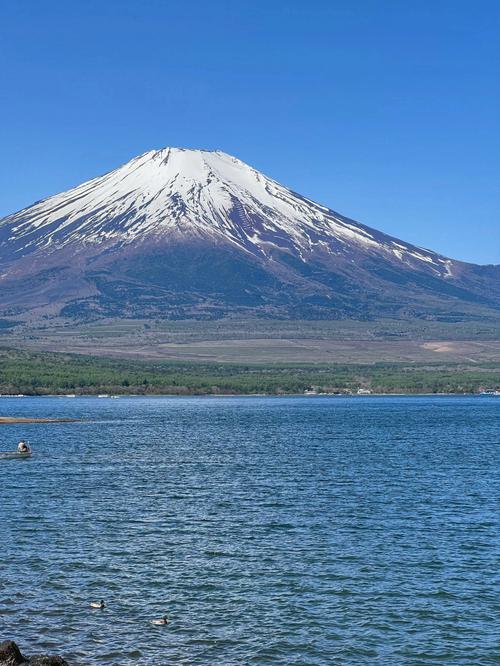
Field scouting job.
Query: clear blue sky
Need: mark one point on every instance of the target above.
(386, 110)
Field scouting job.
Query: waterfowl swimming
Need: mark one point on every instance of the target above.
(98, 604)
(163, 620)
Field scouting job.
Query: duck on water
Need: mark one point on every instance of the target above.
(162, 621)
(98, 604)
(101, 605)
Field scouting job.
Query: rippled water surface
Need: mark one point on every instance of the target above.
(272, 530)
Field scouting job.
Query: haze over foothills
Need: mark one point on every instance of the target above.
(376, 110)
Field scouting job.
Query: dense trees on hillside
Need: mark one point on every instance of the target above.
(39, 374)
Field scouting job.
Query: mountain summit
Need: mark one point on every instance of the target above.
(179, 233)
(176, 192)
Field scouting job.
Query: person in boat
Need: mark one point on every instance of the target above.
(22, 447)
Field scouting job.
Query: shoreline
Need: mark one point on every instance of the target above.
(195, 394)
(7, 420)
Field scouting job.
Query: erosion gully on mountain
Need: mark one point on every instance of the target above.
(179, 233)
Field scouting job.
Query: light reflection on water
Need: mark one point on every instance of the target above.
(272, 530)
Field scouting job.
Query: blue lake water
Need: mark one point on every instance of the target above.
(271, 530)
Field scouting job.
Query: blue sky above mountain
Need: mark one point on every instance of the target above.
(384, 111)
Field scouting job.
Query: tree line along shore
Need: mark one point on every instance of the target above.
(29, 373)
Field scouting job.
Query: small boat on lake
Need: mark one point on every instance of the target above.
(14, 455)
(23, 450)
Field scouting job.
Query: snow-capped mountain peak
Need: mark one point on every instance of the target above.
(176, 192)
(178, 233)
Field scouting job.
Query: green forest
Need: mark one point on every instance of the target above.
(50, 373)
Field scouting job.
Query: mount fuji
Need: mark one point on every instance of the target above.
(180, 234)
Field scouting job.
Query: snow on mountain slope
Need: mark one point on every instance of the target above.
(179, 233)
(197, 194)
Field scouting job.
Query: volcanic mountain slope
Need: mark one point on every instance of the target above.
(181, 233)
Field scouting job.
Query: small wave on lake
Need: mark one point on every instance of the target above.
(271, 531)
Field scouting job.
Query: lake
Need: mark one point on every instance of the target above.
(308, 530)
